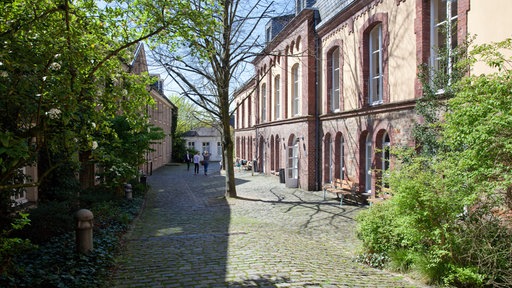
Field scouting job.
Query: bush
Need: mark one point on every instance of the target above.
(49, 220)
(56, 264)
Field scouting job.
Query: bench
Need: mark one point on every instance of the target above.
(245, 165)
(342, 188)
(384, 194)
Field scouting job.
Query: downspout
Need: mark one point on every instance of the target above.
(318, 164)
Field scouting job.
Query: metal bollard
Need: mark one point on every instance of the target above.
(84, 227)
(128, 191)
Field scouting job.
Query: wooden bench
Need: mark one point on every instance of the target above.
(342, 188)
(383, 195)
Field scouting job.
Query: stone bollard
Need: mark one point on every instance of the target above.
(84, 220)
(128, 191)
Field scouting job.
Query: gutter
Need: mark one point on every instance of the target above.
(318, 162)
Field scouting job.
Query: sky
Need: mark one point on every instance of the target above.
(279, 7)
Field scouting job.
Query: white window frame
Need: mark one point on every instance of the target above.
(298, 6)
(448, 23)
(206, 146)
(293, 160)
(375, 75)
(295, 90)
(368, 164)
(219, 149)
(277, 96)
(342, 158)
(263, 102)
(335, 80)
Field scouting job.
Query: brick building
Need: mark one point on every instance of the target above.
(160, 115)
(337, 84)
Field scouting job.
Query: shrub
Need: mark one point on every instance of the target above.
(56, 264)
(49, 220)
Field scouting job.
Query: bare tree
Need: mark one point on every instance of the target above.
(209, 69)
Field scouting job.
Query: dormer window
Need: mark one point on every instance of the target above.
(298, 6)
(268, 34)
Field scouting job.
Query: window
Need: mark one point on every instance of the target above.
(334, 74)
(219, 149)
(263, 103)
(342, 158)
(191, 145)
(249, 110)
(295, 90)
(268, 34)
(293, 160)
(242, 122)
(375, 76)
(368, 164)
(277, 95)
(443, 35)
(298, 6)
(206, 146)
(385, 159)
(330, 159)
(19, 196)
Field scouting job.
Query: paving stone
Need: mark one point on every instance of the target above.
(189, 235)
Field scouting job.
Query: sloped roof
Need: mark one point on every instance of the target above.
(330, 8)
(203, 132)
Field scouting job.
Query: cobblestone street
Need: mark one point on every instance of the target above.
(190, 236)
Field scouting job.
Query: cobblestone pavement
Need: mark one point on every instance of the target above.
(189, 235)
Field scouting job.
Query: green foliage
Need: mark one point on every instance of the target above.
(448, 218)
(187, 118)
(56, 264)
(48, 220)
(122, 151)
(64, 77)
(10, 246)
(375, 260)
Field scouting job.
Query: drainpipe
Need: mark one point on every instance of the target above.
(318, 164)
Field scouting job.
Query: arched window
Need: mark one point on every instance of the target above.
(272, 155)
(295, 90)
(368, 164)
(277, 96)
(328, 158)
(375, 77)
(342, 158)
(386, 145)
(293, 159)
(263, 102)
(443, 30)
(333, 81)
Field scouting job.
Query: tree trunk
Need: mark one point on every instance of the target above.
(228, 157)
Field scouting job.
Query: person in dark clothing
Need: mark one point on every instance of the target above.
(187, 159)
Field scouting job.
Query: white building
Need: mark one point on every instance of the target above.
(205, 139)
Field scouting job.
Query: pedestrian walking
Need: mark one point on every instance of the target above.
(238, 164)
(197, 158)
(206, 161)
(187, 159)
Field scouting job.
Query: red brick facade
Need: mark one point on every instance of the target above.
(349, 142)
